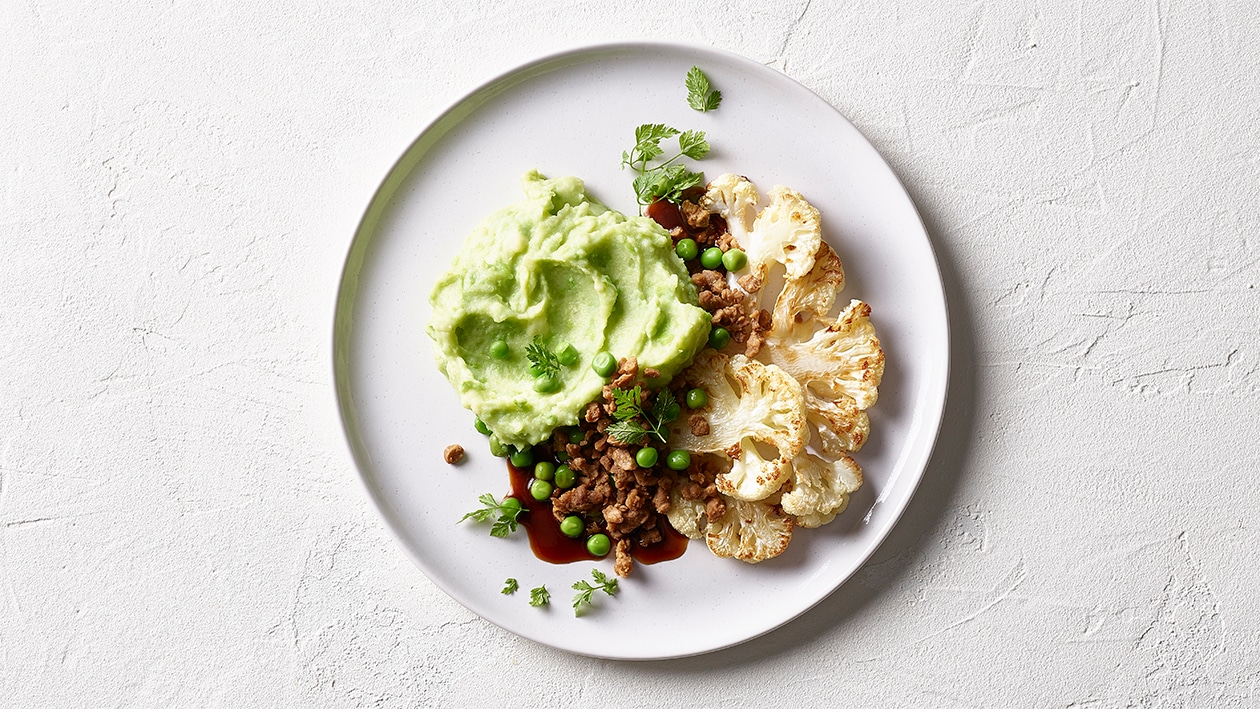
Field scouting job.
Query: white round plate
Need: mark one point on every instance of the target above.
(573, 114)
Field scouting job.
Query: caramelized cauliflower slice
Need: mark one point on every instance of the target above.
(684, 515)
(750, 531)
(842, 359)
(766, 407)
(753, 476)
(842, 428)
(820, 489)
(787, 231)
(811, 296)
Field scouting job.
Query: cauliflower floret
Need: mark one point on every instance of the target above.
(842, 359)
(684, 515)
(820, 489)
(767, 408)
(842, 428)
(750, 531)
(787, 231)
(735, 198)
(810, 296)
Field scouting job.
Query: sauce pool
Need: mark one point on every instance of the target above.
(550, 544)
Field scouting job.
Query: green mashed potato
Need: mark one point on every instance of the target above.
(564, 268)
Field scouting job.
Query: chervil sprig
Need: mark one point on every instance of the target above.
(543, 362)
(539, 597)
(666, 180)
(629, 407)
(585, 591)
(503, 514)
(700, 95)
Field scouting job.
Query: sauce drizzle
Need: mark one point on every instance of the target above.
(549, 543)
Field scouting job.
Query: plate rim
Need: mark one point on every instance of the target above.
(344, 301)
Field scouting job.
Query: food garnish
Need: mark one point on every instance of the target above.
(543, 362)
(586, 592)
(655, 422)
(509, 587)
(504, 514)
(700, 95)
(539, 597)
(664, 180)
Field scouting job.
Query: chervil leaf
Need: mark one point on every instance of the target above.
(693, 144)
(665, 408)
(583, 598)
(629, 402)
(712, 101)
(539, 597)
(697, 88)
(631, 432)
(681, 181)
(503, 526)
(653, 134)
(543, 362)
(607, 585)
(700, 94)
(509, 587)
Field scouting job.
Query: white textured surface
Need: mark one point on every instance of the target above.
(179, 524)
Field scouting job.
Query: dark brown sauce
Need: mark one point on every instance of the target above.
(550, 544)
(666, 214)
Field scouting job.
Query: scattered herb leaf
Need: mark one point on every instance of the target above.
(629, 402)
(631, 432)
(700, 95)
(509, 587)
(543, 362)
(539, 597)
(503, 515)
(665, 408)
(693, 144)
(585, 591)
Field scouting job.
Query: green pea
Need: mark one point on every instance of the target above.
(540, 490)
(499, 349)
(711, 258)
(604, 364)
(481, 427)
(511, 505)
(678, 460)
(544, 470)
(696, 398)
(599, 544)
(734, 259)
(565, 477)
(562, 456)
(568, 355)
(522, 459)
(646, 457)
(572, 526)
(546, 384)
(719, 337)
(686, 249)
(497, 448)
